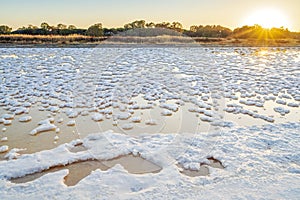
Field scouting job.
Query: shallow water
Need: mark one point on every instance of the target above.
(79, 170)
(142, 82)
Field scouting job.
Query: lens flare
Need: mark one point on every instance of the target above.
(268, 18)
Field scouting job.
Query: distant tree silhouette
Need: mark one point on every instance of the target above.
(150, 25)
(258, 32)
(135, 24)
(163, 25)
(139, 24)
(61, 26)
(45, 26)
(209, 31)
(95, 30)
(47, 29)
(176, 26)
(155, 29)
(30, 26)
(71, 27)
(5, 29)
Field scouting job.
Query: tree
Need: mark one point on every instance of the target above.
(139, 24)
(177, 26)
(71, 27)
(128, 26)
(95, 30)
(61, 26)
(5, 29)
(193, 28)
(30, 26)
(150, 25)
(163, 25)
(209, 31)
(135, 24)
(22, 28)
(45, 26)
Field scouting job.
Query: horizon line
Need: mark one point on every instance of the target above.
(111, 27)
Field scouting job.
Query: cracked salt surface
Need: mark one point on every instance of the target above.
(172, 106)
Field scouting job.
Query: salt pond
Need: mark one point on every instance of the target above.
(176, 108)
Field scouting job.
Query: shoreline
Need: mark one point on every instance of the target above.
(141, 45)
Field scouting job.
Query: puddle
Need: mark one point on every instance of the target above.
(134, 164)
(18, 133)
(74, 176)
(204, 170)
(79, 170)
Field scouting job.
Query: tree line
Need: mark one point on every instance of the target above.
(213, 31)
(60, 29)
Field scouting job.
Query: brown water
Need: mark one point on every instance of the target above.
(133, 164)
(180, 121)
(19, 137)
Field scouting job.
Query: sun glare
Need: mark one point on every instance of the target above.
(268, 18)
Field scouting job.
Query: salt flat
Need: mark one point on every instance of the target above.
(173, 106)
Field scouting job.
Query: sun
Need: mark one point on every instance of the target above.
(268, 18)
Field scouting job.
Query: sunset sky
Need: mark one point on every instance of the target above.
(115, 13)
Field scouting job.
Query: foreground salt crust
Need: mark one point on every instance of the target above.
(268, 164)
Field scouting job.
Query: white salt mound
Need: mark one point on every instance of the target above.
(293, 104)
(97, 117)
(7, 122)
(46, 121)
(136, 119)
(124, 115)
(151, 122)
(281, 110)
(172, 107)
(25, 119)
(166, 113)
(8, 116)
(43, 128)
(3, 148)
(127, 126)
(71, 123)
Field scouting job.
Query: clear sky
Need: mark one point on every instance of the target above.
(115, 13)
